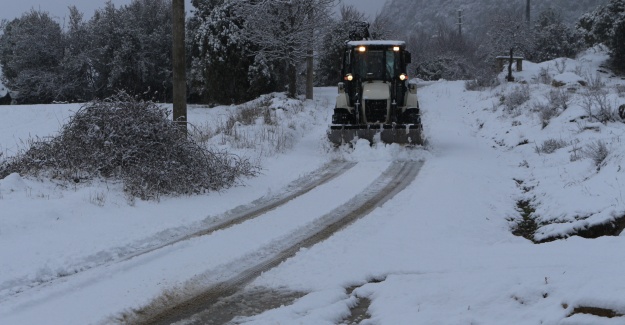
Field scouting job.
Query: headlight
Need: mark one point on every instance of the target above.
(403, 77)
(349, 77)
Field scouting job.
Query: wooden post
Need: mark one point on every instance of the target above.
(179, 66)
(527, 13)
(310, 66)
(460, 22)
(309, 75)
(510, 77)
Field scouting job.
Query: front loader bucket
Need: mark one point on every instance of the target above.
(397, 133)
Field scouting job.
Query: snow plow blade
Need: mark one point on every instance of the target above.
(397, 133)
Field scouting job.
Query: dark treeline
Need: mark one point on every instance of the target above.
(125, 48)
(239, 49)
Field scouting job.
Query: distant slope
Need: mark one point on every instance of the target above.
(427, 14)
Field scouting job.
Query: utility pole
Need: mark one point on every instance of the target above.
(310, 54)
(179, 65)
(460, 22)
(527, 13)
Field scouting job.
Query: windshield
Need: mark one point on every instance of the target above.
(375, 64)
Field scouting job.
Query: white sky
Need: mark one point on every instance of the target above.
(58, 8)
(369, 7)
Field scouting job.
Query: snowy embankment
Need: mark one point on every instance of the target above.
(440, 252)
(3, 89)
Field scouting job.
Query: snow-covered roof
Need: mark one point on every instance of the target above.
(376, 42)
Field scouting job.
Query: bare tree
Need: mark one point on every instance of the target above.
(285, 31)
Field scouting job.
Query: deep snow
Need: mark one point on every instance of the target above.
(440, 252)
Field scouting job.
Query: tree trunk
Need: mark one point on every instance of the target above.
(179, 65)
(309, 75)
(292, 72)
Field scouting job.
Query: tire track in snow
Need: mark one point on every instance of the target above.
(186, 309)
(228, 219)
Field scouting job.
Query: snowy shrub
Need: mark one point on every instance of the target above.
(620, 90)
(131, 141)
(517, 97)
(576, 151)
(559, 98)
(483, 78)
(597, 151)
(544, 77)
(594, 83)
(550, 146)
(560, 65)
(557, 101)
(598, 107)
(547, 112)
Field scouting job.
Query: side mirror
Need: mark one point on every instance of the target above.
(407, 57)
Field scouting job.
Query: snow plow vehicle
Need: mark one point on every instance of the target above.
(375, 97)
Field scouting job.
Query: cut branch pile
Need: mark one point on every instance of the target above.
(133, 141)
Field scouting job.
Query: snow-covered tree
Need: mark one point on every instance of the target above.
(76, 73)
(553, 39)
(223, 67)
(31, 50)
(131, 48)
(331, 52)
(607, 25)
(284, 31)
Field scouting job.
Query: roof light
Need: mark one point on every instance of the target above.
(362, 49)
(396, 48)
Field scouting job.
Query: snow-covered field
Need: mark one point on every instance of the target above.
(440, 252)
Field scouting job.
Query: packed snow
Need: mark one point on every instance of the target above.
(439, 252)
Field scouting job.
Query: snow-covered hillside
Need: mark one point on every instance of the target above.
(439, 252)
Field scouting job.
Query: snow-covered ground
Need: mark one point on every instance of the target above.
(440, 252)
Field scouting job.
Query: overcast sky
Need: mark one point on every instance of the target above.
(10, 9)
(369, 7)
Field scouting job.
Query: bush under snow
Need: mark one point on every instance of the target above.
(131, 141)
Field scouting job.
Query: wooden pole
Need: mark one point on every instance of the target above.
(460, 22)
(309, 57)
(179, 65)
(527, 13)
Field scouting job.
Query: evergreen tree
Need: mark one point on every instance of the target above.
(131, 49)
(31, 50)
(606, 25)
(333, 43)
(223, 67)
(553, 39)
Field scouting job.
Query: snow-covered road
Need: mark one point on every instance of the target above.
(438, 252)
